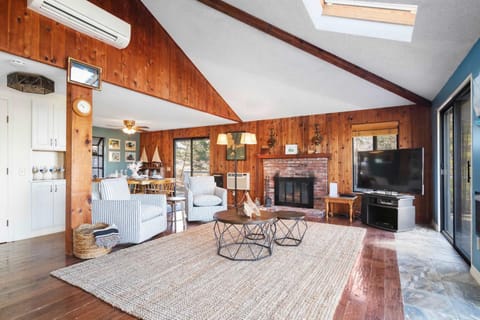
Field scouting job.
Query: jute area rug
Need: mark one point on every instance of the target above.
(180, 276)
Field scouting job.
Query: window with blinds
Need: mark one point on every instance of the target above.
(372, 136)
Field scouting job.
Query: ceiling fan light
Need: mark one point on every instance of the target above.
(128, 130)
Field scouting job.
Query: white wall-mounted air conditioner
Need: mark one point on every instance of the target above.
(86, 18)
(243, 180)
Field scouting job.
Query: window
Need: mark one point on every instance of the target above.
(98, 153)
(365, 18)
(191, 157)
(372, 136)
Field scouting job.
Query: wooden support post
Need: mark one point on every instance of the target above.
(78, 165)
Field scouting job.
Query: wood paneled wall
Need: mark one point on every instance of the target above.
(414, 131)
(151, 64)
(78, 165)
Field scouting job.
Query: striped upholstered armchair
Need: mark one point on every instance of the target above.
(137, 216)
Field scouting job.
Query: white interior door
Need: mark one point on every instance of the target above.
(3, 170)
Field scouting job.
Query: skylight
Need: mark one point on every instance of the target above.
(364, 18)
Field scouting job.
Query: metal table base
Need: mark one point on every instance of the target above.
(245, 239)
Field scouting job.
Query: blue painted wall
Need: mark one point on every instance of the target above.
(110, 167)
(469, 66)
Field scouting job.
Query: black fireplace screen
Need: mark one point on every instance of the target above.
(294, 191)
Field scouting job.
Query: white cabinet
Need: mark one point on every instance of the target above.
(48, 124)
(4, 146)
(60, 194)
(48, 204)
(60, 125)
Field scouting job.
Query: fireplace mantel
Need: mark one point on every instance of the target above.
(294, 156)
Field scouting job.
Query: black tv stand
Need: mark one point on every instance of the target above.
(392, 212)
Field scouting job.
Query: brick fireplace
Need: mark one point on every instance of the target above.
(298, 167)
(294, 191)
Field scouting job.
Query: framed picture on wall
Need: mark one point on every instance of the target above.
(130, 145)
(130, 156)
(235, 150)
(291, 149)
(114, 144)
(114, 156)
(84, 74)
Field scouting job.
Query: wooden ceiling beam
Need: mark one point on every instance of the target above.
(301, 44)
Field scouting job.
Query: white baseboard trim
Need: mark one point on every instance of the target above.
(475, 273)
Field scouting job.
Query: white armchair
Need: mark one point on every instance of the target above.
(204, 198)
(137, 216)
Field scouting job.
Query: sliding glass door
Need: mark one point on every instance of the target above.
(192, 157)
(456, 149)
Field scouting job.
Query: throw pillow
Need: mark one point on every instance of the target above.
(202, 185)
(206, 200)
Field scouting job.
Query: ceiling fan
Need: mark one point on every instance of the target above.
(129, 127)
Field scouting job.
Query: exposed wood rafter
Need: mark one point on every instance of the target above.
(314, 50)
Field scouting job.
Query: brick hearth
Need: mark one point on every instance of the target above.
(299, 167)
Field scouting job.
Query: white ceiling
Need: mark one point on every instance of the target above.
(262, 78)
(10, 63)
(114, 103)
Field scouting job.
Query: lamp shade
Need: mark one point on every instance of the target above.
(222, 139)
(248, 138)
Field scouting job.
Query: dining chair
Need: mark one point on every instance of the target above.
(133, 185)
(165, 186)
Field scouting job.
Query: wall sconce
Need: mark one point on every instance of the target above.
(272, 140)
(317, 138)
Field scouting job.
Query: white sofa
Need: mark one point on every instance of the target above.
(137, 216)
(204, 198)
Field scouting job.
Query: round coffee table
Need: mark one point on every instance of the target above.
(241, 238)
(291, 227)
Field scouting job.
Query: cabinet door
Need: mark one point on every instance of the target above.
(42, 135)
(42, 205)
(60, 125)
(59, 196)
(3, 171)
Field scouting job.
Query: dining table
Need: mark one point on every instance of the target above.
(144, 184)
(141, 185)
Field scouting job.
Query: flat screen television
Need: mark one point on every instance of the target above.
(391, 170)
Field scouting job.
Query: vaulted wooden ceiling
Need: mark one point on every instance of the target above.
(216, 62)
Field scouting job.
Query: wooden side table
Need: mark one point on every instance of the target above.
(342, 200)
(291, 227)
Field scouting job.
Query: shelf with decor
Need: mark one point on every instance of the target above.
(294, 156)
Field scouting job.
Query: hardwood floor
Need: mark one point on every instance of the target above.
(27, 291)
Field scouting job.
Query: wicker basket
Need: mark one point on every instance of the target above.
(84, 246)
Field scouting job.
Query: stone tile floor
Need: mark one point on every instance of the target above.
(436, 283)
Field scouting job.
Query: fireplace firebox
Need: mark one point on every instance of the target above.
(294, 191)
